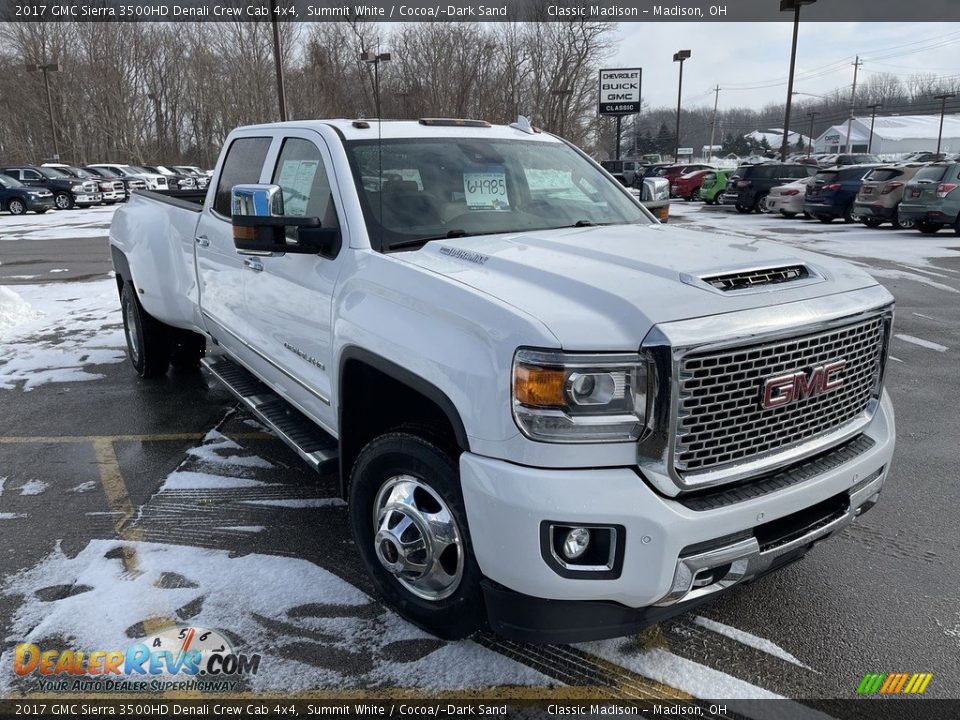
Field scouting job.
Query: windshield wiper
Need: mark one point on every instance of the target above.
(586, 223)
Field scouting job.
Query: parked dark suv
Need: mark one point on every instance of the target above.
(18, 198)
(750, 184)
(67, 191)
(833, 192)
(931, 200)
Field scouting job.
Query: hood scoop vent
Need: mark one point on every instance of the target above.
(755, 278)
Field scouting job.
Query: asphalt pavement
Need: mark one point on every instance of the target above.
(113, 459)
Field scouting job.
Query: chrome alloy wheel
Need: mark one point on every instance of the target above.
(417, 539)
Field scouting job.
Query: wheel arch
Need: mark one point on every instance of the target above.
(376, 395)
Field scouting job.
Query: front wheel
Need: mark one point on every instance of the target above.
(17, 206)
(148, 344)
(63, 201)
(410, 526)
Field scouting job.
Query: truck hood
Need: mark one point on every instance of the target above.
(602, 288)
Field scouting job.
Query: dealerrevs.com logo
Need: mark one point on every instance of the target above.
(177, 658)
(894, 683)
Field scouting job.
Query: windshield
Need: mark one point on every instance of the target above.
(106, 172)
(437, 188)
(140, 170)
(80, 172)
(9, 182)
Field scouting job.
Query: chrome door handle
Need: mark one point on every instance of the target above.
(202, 240)
(254, 265)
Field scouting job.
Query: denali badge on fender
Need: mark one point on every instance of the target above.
(785, 389)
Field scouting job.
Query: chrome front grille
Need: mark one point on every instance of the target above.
(720, 416)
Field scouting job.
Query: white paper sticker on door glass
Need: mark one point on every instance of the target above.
(296, 179)
(485, 188)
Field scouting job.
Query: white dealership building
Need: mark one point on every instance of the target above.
(892, 135)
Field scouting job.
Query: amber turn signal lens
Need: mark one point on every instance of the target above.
(539, 386)
(244, 232)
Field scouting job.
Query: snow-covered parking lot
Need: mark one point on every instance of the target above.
(137, 508)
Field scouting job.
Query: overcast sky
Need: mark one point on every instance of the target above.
(741, 56)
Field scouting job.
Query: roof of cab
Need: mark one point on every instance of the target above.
(371, 128)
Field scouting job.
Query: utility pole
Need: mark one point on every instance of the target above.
(873, 119)
(713, 124)
(811, 115)
(853, 99)
(278, 65)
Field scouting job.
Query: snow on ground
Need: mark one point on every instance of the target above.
(58, 332)
(33, 487)
(319, 633)
(86, 222)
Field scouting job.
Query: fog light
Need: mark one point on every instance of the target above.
(576, 543)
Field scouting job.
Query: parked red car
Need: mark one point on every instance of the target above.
(672, 172)
(687, 186)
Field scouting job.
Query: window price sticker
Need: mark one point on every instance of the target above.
(485, 188)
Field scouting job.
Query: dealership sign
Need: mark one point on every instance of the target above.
(620, 91)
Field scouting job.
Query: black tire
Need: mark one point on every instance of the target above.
(760, 204)
(186, 349)
(695, 195)
(743, 210)
(848, 216)
(928, 228)
(825, 218)
(148, 340)
(788, 214)
(872, 222)
(956, 226)
(710, 201)
(41, 211)
(63, 201)
(402, 454)
(16, 206)
(902, 224)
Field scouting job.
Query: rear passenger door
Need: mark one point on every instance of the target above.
(288, 297)
(220, 268)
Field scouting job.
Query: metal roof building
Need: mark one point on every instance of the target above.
(892, 134)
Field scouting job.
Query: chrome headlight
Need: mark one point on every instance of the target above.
(76, 188)
(580, 397)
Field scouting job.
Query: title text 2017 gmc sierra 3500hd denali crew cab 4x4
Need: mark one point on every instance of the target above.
(548, 412)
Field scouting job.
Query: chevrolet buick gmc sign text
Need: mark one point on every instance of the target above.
(620, 91)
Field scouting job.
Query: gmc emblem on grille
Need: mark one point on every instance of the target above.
(785, 389)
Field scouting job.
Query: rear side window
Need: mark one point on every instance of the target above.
(933, 173)
(242, 165)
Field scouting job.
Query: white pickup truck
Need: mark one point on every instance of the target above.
(549, 413)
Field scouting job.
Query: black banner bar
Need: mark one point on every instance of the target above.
(475, 11)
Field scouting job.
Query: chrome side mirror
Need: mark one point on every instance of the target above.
(257, 200)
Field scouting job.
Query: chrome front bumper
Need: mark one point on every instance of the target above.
(708, 572)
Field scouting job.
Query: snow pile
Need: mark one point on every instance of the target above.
(319, 633)
(70, 328)
(13, 310)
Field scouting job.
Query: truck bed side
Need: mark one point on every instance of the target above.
(155, 233)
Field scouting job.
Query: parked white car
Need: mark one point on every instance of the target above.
(548, 412)
(787, 199)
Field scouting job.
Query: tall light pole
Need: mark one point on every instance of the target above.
(873, 119)
(679, 57)
(156, 112)
(811, 115)
(795, 6)
(46, 69)
(372, 58)
(943, 109)
(277, 63)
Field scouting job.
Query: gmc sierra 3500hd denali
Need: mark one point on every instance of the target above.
(548, 411)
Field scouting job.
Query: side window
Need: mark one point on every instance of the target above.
(303, 179)
(30, 175)
(242, 165)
